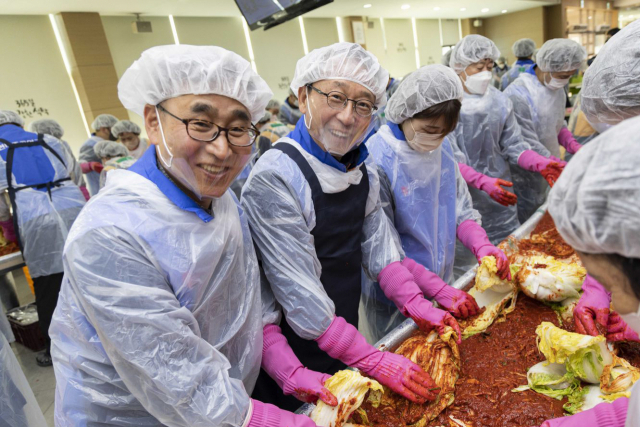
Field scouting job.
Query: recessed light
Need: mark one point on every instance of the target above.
(405, 6)
(367, 6)
(504, 11)
(436, 8)
(485, 10)
(590, 17)
(462, 9)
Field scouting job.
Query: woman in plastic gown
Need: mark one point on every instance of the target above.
(160, 320)
(595, 206)
(424, 195)
(315, 214)
(539, 101)
(488, 141)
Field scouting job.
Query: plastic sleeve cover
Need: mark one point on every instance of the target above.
(285, 244)
(386, 195)
(525, 117)
(464, 203)
(380, 241)
(75, 171)
(180, 378)
(511, 141)
(5, 213)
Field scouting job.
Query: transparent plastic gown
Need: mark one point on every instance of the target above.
(160, 316)
(277, 201)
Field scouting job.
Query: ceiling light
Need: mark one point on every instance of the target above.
(436, 8)
(590, 17)
(485, 10)
(504, 11)
(367, 6)
(462, 9)
(405, 6)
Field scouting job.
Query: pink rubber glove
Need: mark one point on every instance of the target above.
(534, 162)
(9, 231)
(279, 361)
(342, 341)
(594, 304)
(97, 167)
(455, 301)
(266, 415)
(85, 193)
(558, 161)
(86, 167)
(566, 139)
(398, 285)
(491, 186)
(603, 415)
(91, 167)
(618, 330)
(475, 239)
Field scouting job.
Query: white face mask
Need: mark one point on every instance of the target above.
(555, 84)
(478, 83)
(424, 142)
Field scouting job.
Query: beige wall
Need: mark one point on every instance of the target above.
(223, 32)
(375, 40)
(401, 57)
(429, 41)
(320, 32)
(506, 29)
(33, 69)
(277, 51)
(450, 31)
(126, 46)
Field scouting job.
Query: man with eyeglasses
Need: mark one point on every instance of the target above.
(160, 318)
(316, 218)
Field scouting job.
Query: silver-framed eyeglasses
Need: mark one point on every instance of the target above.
(206, 131)
(338, 101)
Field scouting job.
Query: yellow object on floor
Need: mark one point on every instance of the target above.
(25, 270)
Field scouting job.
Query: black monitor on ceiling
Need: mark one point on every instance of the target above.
(269, 13)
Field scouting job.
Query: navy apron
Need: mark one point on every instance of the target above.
(337, 236)
(46, 185)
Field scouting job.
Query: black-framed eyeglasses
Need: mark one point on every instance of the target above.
(206, 131)
(338, 101)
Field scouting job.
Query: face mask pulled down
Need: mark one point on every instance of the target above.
(424, 142)
(216, 175)
(478, 83)
(339, 132)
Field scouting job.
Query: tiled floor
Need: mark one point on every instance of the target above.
(41, 380)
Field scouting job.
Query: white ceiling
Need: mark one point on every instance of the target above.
(379, 8)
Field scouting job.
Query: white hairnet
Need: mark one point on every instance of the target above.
(425, 87)
(106, 148)
(8, 116)
(273, 104)
(104, 121)
(165, 72)
(558, 55)
(125, 126)
(524, 48)
(471, 49)
(47, 127)
(596, 201)
(611, 85)
(342, 61)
